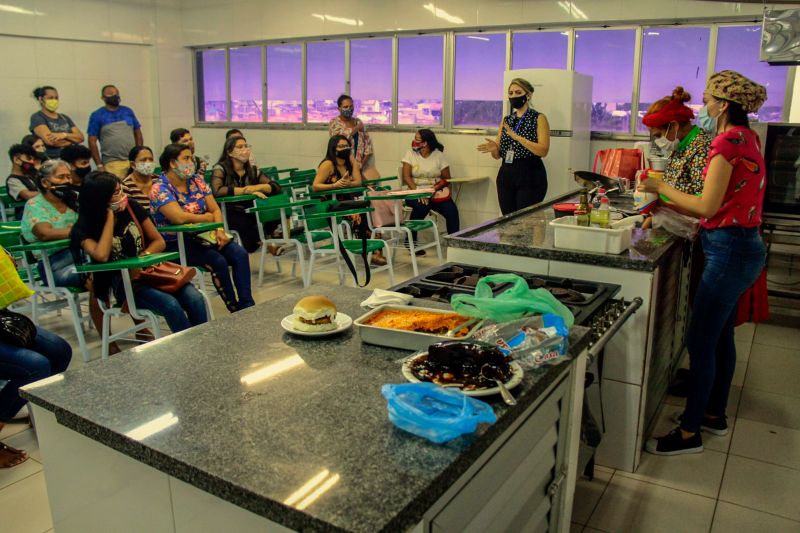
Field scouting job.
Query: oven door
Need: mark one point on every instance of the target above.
(781, 146)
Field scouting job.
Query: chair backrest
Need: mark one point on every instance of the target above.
(270, 172)
(9, 237)
(317, 223)
(273, 214)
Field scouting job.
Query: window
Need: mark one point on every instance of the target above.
(371, 79)
(479, 92)
(246, 94)
(285, 83)
(539, 49)
(420, 79)
(211, 90)
(607, 56)
(324, 79)
(738, 48)
(672, 57)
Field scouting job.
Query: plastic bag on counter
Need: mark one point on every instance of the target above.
(435, 413)
(533, 342)
(515, 302)
(684, 226)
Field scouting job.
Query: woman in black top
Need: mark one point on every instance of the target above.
(234, 175)
(522, 141)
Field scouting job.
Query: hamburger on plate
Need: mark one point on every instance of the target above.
(314, 314)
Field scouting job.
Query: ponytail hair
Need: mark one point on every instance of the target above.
(429, 137)
(39, 92)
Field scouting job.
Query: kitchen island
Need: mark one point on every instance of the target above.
(639, 361)
(236, 425)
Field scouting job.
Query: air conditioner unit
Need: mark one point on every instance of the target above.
(780, 37)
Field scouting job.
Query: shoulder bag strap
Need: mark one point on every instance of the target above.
(362, 228)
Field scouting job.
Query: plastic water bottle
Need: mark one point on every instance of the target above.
(603, 216)
(601, 193)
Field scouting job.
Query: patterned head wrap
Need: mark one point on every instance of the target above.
(730, 85)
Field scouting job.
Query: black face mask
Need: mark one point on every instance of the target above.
(81, 172)
(27, 168)
(344, 154)
(113, 101)
(517, 101)
(67, 194)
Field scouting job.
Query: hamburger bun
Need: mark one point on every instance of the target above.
(314, 314)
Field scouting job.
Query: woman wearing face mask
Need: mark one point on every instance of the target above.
(353, 130)
(730, 211)
(55, 129)
(21, 183)
(38, 145)
(111, 227)
(425, 166)
(233, 175)
(522, 141)
(139, 181)
(180, 196)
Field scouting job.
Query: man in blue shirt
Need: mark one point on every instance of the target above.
(118, 130)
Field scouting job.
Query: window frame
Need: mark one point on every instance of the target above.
(448, 72)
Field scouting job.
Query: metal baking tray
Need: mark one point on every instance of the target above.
(405, 340)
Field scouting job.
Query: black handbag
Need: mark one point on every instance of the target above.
(16, 329)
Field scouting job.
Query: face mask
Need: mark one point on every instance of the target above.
(51, 105)
(145, 169)
(81, 172)
(66, 194)
(113, 101)
(707, 122)
(664, 144)
(517, 101)
(185, 170)
(42, 151)
(347, 113)
(243, 156)
(344, 154)
(27, 167)
(120, 204)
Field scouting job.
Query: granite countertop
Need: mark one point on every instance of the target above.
(254, 445)
(527, 233)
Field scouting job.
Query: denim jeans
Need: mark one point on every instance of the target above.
(63, 266)
(182, 309)
(448, 210)
(217, 262)
(734, 260)
(49, 355)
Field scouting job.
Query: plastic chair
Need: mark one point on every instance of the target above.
(7, 204)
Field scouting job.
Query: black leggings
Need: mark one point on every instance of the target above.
(521, 184)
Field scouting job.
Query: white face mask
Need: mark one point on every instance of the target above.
(664, 144)
(145, 168)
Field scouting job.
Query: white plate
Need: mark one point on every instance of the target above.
(516, 378)
(342, 321)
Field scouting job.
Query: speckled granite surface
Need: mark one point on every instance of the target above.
(254, 445)
(527, 233)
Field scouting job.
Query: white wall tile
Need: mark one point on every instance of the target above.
(131, 23)
(76, 19)
(494, 12)
(55, 59)
(95, 61)
(21, 17)
(456, 13)
(15, 61)
(377, 16)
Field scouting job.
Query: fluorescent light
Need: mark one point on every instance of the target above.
(572, 9)
(442, 14)
(42, 382)
(314, 496)
(18, 10)
(477, 38)
(654, 33)
(341, 20)
(154, 426)
(307, 487)
(269, 371)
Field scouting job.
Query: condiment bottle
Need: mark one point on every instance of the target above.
(581, 217)
(603, 215)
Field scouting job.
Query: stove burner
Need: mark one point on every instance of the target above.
(567, 295)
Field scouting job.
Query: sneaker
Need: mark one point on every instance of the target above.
(715, 426)
(674, 444)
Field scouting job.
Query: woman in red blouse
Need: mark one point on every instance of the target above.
(730, 216)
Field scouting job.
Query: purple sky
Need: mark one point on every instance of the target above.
(371, 69)
(325, 69)
(539, 49)
(284, 72)
(420, 67)
(480, 63)
(607, 55)
(246, 73)
(732, 43)
(672, 57)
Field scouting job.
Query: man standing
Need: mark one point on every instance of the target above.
(118, 130)
(21, 182)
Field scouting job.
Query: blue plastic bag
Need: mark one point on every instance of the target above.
(435, 413)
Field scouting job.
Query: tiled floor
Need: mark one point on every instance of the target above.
(748, 481)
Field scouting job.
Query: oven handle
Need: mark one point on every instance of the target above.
(598, 346)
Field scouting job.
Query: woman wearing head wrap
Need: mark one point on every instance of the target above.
(730, 211)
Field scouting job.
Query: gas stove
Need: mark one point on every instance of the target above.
(592, 303)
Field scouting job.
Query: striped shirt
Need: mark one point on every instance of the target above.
(130, 188)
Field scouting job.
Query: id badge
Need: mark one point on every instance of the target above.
(509, 157)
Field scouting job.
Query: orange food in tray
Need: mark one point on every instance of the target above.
(420, 321)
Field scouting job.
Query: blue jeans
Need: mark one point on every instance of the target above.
(49, 355)
(734, 260)
(448, 210)
(182, 309)
(217, 262)
(63, 266)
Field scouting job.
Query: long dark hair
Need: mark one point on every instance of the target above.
(96, 192)
(226, 162)
(171, 153)
(737, 116)
(330, 155)
(429, 137)
(134, 153)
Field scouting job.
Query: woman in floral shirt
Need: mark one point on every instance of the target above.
(353, 129)
(730, 211)
(180, 196)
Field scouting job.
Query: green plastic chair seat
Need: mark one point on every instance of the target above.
(417, 225)
(354, 245)
(316, 236)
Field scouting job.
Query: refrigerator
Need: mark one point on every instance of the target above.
(565, 98)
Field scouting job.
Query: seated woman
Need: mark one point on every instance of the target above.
(38, 145)
(340, 170)
(179, 196)
(139, 181)
(425, 166)
(111, 227)
(21, 184)
(234, 175)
